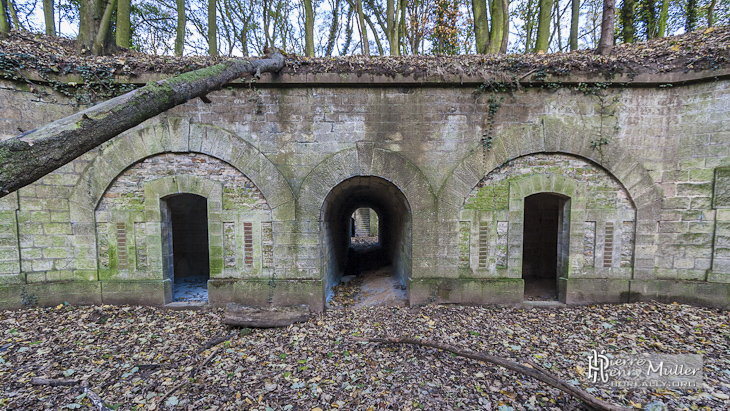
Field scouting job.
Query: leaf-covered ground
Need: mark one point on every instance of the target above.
(313, 365)
(700, 50)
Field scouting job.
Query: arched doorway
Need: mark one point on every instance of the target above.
(393, 248)
(545, 238)
(186, 261)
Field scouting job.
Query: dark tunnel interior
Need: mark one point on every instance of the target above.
(394, 233)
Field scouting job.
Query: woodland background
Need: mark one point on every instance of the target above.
(334, 27)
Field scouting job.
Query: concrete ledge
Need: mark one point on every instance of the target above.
(580, 291)
(256, 293)
(466, 291)
(50, 294)
(154, 293)
(685, 292)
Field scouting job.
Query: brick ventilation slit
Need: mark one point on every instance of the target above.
(608, 246)
(248, 244)
(121, 246)
(483, 230)
(267, 244)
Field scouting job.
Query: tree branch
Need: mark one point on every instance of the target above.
(537, 372)
(31, 155)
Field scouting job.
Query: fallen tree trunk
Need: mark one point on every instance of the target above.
(536, 372)
(261, 317)
(54, 382)
(33, 154)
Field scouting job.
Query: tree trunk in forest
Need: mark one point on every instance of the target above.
(180, 29)
(691, 13)
(90, 17)
(392, 27)
(49, 18)
(648, 15)
(663, 17)
(33, 154)
(308, 29)
(543, 26)
(402, 28)
(606, 43)
(627, 20)
(101, 36)
(14, 15)
(4, 20)
(711, 13)
(123, 28)
(481, 25)
(574, 18)
(212, 29)
(378, 44)
(529, 26)
(497, 27)
(365, 44)
(505, 27)
(334, 25)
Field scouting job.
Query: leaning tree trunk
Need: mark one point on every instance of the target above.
(31, 155)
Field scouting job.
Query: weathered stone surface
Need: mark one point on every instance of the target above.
(647, 215)
(264, 317)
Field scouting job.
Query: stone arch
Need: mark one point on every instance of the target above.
(178, 135)
(552, 136)
(368, 161)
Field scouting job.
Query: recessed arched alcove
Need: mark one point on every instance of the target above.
(394, 229)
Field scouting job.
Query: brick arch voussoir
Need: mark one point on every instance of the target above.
(367, 162)
(618, 162)
(153, 140)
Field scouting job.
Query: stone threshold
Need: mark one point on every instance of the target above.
(186, 305)
(543, 304)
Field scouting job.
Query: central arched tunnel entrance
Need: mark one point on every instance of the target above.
(393, 247)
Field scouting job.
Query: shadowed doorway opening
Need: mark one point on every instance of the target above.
(545, 243)
(343, 257)
(185, 245)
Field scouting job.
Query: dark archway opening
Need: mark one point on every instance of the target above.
(544, 244)
(185, 245)
(393, 247)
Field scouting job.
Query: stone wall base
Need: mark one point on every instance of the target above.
(579, 291)
(681, 291)
(52, 293)
(151, 292)
(256, 293)
(421, 291)
(466, 291)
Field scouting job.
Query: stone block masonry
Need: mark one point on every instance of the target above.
(641, 194)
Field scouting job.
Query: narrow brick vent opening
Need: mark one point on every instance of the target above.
(185, 245)
(544, 236)
(365, 208)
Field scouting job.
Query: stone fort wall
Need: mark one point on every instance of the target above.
(646, 169)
